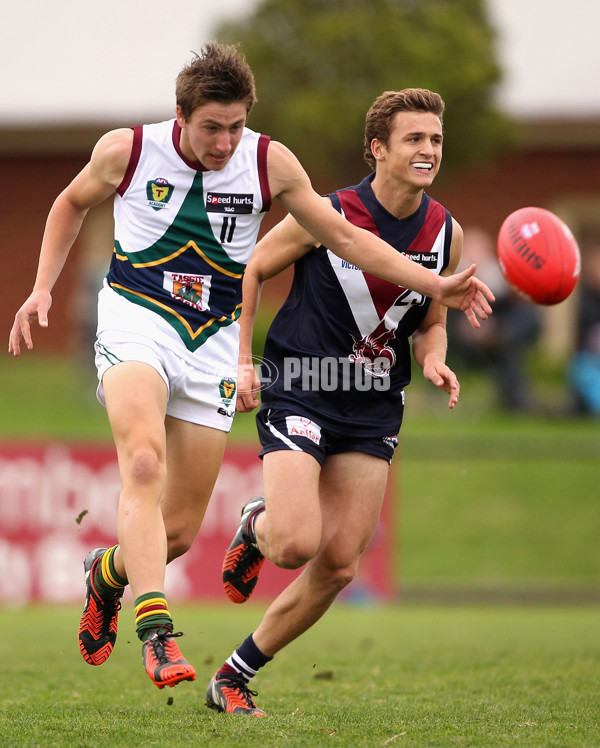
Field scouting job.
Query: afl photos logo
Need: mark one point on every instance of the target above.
(158, 192)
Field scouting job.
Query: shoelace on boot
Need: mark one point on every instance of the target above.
(112, 607)
(239, 684)
(159, 642)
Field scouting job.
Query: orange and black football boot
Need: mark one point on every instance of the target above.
(230, 694)
(243, 559)
(99, 620)
(164, 663)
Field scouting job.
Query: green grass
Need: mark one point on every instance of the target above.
(534, 538)
(46, 397)
(363, 676)
(505, 503)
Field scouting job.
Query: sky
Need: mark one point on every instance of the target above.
(71, 62)
(550, 53)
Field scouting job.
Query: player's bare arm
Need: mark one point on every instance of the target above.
(281, 247)
(429, 344)
(360, 247)
(276, 251)
(429, 348)
(291, 184)
(96, 182)
(430, 340)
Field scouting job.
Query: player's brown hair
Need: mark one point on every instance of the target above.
(219, 73)
(379, 120)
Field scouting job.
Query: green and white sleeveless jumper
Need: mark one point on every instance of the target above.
(183, 237)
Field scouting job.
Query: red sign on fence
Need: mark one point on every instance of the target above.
(58, 501)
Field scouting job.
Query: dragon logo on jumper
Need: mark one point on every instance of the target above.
(373, 352)
(227, 390)
(158, 192)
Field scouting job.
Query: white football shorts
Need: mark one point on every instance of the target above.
(194, 395)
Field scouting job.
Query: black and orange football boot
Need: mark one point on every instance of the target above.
(230, 694)
(164, 663)
(243, 559)
(99, 620)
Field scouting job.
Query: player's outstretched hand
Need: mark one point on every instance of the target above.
(36, 307)
(469, 294)
(442, 376)
(248, 385)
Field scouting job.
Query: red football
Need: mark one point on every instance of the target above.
(538, 255)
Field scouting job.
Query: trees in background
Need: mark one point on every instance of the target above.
(319, 64)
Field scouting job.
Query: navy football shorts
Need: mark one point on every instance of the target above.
(285, 430)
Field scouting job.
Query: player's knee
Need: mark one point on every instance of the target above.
(334, 577)
(178, 544)
(292, 553)
(341, 577)
(146, 468)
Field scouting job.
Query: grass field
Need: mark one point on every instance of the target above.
(364, 676)
(489, 508)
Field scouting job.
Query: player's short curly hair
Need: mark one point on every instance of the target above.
(219, 73)
(379, 120)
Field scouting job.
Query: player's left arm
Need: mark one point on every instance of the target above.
(430, 340)
(290, 183)
(278, 249)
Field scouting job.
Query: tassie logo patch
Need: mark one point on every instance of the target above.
(158, 192)
(227, 390)
(191, 290)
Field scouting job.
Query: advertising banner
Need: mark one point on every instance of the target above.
(58, 501)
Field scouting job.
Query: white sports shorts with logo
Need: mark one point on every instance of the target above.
(128, 332)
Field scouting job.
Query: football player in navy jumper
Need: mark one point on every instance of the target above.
(333, 405)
